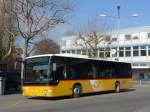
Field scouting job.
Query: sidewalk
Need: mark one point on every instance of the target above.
(141, 83)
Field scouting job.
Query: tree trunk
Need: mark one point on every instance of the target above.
(24, 55)
(25, 52)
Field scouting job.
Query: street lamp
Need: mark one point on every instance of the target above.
(118, 17)
(135, 15)
(118, 9)
(104, 15)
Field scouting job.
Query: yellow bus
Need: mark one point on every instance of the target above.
(56, 75)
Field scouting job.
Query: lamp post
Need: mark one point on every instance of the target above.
(118, 9)
(118, 17)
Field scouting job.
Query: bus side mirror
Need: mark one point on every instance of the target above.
(54, 66)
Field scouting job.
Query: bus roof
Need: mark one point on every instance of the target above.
(72, 56)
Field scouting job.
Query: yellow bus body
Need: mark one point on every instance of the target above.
(65, 87)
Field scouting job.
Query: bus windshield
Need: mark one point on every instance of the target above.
(37, 70)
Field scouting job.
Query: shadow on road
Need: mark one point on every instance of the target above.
(84, 95)
(128, 90)
(12, 92)
(108, 92)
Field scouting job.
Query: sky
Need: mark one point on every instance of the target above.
(87, 9)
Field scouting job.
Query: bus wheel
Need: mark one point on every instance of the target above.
(117, 87)
(77, 91)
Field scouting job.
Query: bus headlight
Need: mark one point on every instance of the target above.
(47, 91)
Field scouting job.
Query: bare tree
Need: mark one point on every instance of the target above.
(8, 31)
(96, 35)
(46, 46)
(38, 16)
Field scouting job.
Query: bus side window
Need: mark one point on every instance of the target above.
(73, 73)
(69, 72)
(94, 71)
(64, 72)
(60, 71)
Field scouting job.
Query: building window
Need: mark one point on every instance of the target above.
(143, 64)
(143, 50)
(135, 37)
(107, 38)
(127, 51)
(73, 51)
(135, 64)
(101, 53)
(148, 35)
(114, 39)
(84, 52)
(127, 37)
(78, 51)
(94, 52)
(63, 52)
(107, 52)
(121, 52)
(135, 50)
(68, 51)
(141, 75)
(148, 50)
(89, 53)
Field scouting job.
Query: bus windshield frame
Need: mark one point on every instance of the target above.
(37, 71)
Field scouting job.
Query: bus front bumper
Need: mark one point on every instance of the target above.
(38, 91)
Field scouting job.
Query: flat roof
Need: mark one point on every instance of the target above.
(73, 56)
(129, 30)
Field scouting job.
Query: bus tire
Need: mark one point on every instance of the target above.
(77, 91)
(117, 87)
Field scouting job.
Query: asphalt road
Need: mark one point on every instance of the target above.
(137, 100)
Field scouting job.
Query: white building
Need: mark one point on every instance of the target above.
(129, 45)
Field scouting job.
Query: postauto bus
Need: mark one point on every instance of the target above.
(54, 75)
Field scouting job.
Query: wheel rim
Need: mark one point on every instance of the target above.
(77, 91)
(117, 88)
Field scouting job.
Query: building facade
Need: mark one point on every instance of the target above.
(127, 45)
